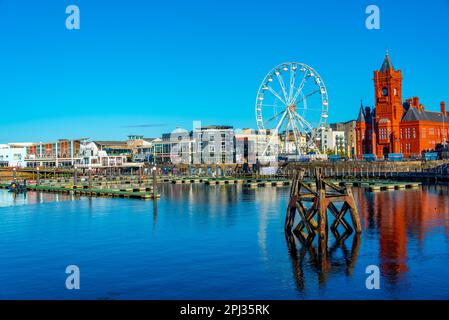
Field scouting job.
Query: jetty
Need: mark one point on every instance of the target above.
(136, 187)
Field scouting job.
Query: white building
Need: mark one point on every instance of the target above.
(251, 144)
(93, 155)
(13, 154)
(288, 143)
(332, 141)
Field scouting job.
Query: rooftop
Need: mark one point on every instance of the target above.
(386, 65)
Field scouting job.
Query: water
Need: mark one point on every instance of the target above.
(218, 242)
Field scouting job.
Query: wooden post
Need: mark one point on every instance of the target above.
(154, 182)
(323, 198)
(140, 176)
(354, 212)
(90, 178)
(322, 218)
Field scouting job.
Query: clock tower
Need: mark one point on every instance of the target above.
(389, 110)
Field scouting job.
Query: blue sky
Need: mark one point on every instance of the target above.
(145, 67)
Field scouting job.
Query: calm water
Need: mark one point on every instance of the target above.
(218, 242)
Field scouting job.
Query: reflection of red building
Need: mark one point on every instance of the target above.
(394, 126)
(400, 217)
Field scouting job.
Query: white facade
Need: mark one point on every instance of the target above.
(13, 155)
(93, 157)
(333, 141)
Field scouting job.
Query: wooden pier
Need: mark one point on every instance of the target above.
(98, 186)
(133, 193)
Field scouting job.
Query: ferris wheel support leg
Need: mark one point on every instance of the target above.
(274, 133)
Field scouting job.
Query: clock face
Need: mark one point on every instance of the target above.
(384, 92)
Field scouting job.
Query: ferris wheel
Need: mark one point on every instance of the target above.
(292, 101)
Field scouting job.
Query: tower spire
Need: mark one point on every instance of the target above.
(361, 117)
(386, 65)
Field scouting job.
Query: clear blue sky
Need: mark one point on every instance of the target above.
(146, 67)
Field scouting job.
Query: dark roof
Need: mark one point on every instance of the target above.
(216, 127)
(361, 117)
(413, 114)
(109, 143)
(386, 65)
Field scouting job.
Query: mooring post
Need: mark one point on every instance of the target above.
(90, 178)
(154, 182)
(353, 211)
(291, 209)
(322, 206)
(75, 178)
(140, 176)
(322, 218)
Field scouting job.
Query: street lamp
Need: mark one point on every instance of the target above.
(38, 175)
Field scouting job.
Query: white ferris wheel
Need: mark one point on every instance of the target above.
(292, 101)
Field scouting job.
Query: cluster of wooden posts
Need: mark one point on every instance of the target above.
(308, 215)
(312, 205)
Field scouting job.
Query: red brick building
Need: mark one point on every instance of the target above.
(397, 126)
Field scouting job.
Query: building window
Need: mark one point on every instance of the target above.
(423, 132)
(414, 133)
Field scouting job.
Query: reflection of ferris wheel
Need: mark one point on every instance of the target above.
(292, 100)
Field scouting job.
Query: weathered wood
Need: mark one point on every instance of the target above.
(322, 212)
(354, 212)
(314, 205)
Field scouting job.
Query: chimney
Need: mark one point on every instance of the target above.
(416, 102)
(443, 107)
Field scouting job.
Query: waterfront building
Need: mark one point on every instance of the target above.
(213, 144)
(349, 129)
(157, 151)
(77, 153)
(61, 153)
(397, 126)
(94, 154)
(13, 154)
(203, 145)
(350, 137)
(332, 141)
(138, 141)
(287, 142)
(120, 148)
(250, 143)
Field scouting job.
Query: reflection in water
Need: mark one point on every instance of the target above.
(8, 199)
(337, 259)
(232, 245)
(397, 217)
(154, 213)
(393, 218)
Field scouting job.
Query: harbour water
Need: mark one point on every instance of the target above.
(218, 242)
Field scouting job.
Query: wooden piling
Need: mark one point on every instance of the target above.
(323, 197)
